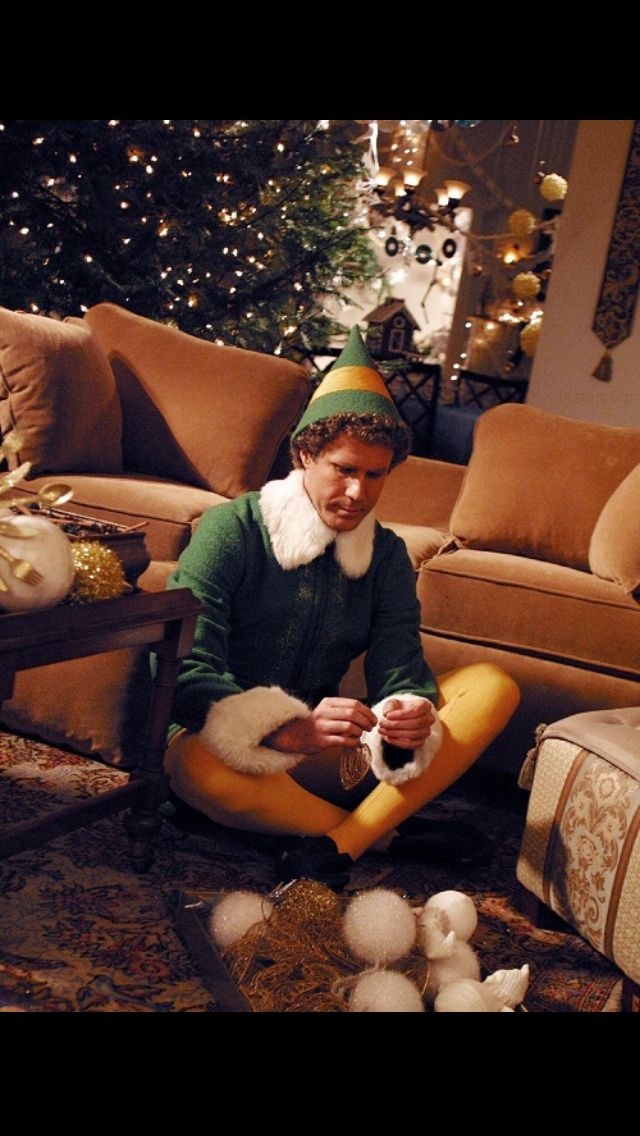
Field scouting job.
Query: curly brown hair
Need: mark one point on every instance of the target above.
(372, 429)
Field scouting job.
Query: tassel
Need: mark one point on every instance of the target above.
(604, 370)
(525, 779)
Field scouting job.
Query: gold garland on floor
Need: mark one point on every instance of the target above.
(297, 961)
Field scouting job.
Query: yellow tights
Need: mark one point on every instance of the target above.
(476, 702)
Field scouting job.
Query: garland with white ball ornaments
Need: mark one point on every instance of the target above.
(300, 948)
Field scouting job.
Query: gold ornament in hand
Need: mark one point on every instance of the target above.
(354, 765)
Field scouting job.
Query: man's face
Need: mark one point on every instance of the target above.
(345, 480)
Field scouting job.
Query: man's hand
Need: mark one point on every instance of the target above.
(406, 724)
(333, 722)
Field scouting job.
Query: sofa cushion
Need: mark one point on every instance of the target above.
(58, 392)
(170, 509)
(614, 552)
(193, 411)
(537, 482)
(531, 607)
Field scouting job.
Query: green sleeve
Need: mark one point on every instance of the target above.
(394, 661)
(212, 567)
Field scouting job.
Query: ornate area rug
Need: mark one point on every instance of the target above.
(81, 931)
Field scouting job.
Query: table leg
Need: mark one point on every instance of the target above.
(144, 820)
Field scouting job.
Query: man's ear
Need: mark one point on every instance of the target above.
(305, 458)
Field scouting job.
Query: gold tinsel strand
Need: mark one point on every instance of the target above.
(99, 574)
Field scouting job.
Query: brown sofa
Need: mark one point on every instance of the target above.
(538, 565)
(529, 557)
(144, 422)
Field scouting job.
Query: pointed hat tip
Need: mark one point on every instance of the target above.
(353, 385)
(354, 353)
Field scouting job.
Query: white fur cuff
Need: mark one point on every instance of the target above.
(422, 757)
(236, 726)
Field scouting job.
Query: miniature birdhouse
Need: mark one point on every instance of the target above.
(390, 329)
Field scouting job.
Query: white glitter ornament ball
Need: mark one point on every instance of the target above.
(235, 914)
(463, 963)
(464, 997)
(459, 909)
(379, 926)
(385, 992)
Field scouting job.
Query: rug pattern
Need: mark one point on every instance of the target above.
(81, 931)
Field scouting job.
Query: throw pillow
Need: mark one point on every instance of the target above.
(193, 411)
(58, 392)
(93, 705)
(614, 552)
(537, 482)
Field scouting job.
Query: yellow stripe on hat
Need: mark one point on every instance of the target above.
(350, 379)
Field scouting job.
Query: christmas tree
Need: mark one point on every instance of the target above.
(231, 230)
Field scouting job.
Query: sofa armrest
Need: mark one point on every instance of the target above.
(421, 492)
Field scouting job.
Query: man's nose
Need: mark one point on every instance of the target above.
(355, 489)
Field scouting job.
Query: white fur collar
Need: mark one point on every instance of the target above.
(298, 533)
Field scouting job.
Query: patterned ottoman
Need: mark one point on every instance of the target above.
(580, 852)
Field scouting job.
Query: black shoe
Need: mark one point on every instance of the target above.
(315, 858)
(445, 842)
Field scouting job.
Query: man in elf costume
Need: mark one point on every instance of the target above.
(296, 581)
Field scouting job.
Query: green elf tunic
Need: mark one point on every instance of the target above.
(288, 604)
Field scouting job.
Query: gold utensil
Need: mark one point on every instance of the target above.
(54, 493)
(22, 569)
(11, 443)
(9, 480)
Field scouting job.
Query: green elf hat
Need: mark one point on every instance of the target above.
(351, 386)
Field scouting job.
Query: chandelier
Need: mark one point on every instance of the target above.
(397, 198)
(400, 189)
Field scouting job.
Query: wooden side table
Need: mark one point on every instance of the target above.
(162, 620)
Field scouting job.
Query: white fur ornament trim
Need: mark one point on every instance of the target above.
(236, 725)
(422, 757)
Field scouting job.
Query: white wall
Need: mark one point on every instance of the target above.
(569, 351)
(429, 292)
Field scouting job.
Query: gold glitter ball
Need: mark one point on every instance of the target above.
(526, 285)
(521, 223)
(308, 901)
(554, 187)
(529, 337)
(99, 574)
